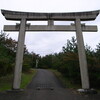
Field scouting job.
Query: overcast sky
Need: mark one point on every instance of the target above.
(50, 42)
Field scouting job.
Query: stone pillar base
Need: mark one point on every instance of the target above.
(15, 90)
(87, 91)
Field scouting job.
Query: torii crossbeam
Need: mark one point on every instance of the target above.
(77, 17)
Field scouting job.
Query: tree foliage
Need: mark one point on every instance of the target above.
(8, 48)
(67, 62)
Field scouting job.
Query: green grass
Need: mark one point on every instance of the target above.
(27, 77)
(65, 81)
(6, 81)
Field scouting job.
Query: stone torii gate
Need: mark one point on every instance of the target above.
(77, 17)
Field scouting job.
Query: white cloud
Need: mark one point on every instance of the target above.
(50, 42)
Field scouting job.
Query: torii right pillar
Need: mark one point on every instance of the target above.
(82, 55)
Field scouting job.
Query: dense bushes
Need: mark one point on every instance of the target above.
(27, 62)
(8, 48)
(7, 58)
(67, 62)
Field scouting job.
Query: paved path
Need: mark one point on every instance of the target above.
(45, 86)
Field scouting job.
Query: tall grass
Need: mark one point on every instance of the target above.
(65, 81)
(6, 81)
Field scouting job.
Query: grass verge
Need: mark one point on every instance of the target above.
(6, 81)
(27, 77)
(65, 81)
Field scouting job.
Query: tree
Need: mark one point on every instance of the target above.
(98, 51)
(67, 62)
(71, 46)
(8, 48)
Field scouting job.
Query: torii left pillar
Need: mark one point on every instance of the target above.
(19, 55)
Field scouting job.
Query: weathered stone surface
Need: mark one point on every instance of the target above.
(15, 15)
(87, 28)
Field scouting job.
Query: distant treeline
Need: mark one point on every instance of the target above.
(66, 62)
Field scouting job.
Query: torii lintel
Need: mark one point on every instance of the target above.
(16, 15)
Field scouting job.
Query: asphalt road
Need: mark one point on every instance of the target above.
(45, 86)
